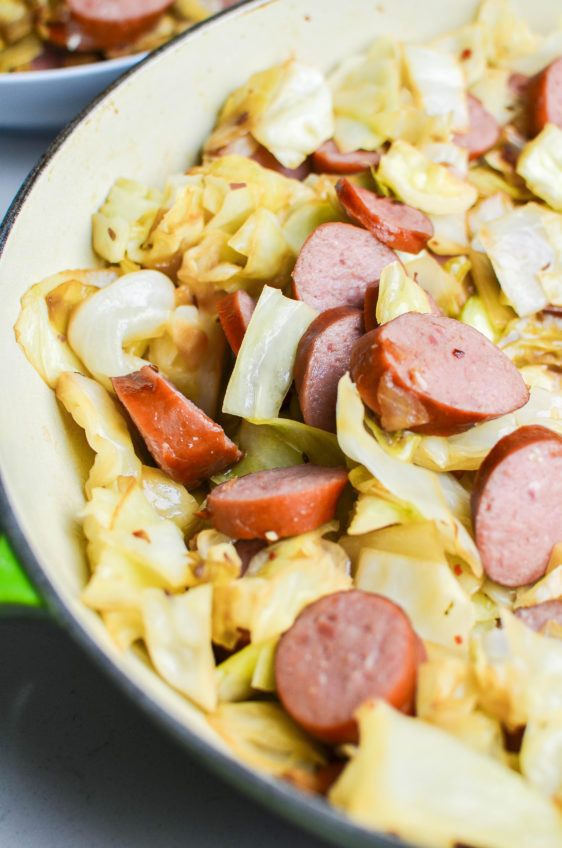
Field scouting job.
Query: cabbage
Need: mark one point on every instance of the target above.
(262, 241)
(264, 365)
(364, 87)
(447, 153)
(135, 306)
(449, 234)
(190, 353)
(290, 574)
(44, 340)
(281, 442)
(446, 290)
(496, 95)
(519, 673)
(178, 640)
(541, 756)
(540, 165)
(123, 223)
(424, 786)
(547, 50)
(262, 735)
(287, 108)
(466, 451)
(520, 251)
(488, 289)
(438, 607)
(468, 45)
(125, 627)
(418, 181)
(474, 313)
(398, 294)
(491, 207)
(439, 83)
(130, 547)
(245, 671)
(106, 431)
(435, 496)
(533, 341)
(508, 36)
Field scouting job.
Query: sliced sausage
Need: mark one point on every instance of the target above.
(538, 616)
(322, 358)
(278, 502)
(235, 310)
(109, 23)
(328, 159)
(544, 97)
(186, 443)
(336, 264)
(341, 651)
(394, 223)
(434, 375)
(517, 505)
(484, 130)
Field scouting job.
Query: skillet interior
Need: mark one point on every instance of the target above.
(150, 124)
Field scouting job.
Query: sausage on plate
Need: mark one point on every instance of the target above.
(329, 159)
(434, 375)
(394, 223)
(322, 358)
(277, 502)
(544, 97)
(517, 505)
(484, 130)
(336, 264)
(342, 650)
(103, 24)
(235, 310)
(186, 443)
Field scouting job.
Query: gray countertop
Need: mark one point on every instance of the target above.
(80, 766)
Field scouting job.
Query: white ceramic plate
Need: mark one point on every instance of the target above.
(47, 100)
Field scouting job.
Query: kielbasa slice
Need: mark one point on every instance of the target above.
(538, 616)
(544, 97)
(342, 650)
(322, 358)
(394, 223)
(328, 159)
(484, 130)
(434, 375)
(235, 310)
(277, 502)
(109, 23)
(336, 264)
(517, 505)
(186, 443)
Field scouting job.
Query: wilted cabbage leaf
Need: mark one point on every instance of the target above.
(421, 183)
(439, 83)
(262, 735)
(287, 108)
(399, 293)
(178, 640)
(418, 782)
(264, 366)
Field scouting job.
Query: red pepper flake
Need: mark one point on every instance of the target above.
(141, 534)
(271, 555)
(111, 233)
(466, 54)
(458, 569)
(458, 640)
(458, 353)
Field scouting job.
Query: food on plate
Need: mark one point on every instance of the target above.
(39, 35)
(392, 222)
(336, 265)
(532, 456)
(320, 373)
(434, 375)
(322, 358)
(342, 650)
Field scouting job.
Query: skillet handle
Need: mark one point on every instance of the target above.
(17, 595)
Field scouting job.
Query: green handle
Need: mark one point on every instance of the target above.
(15, 588)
